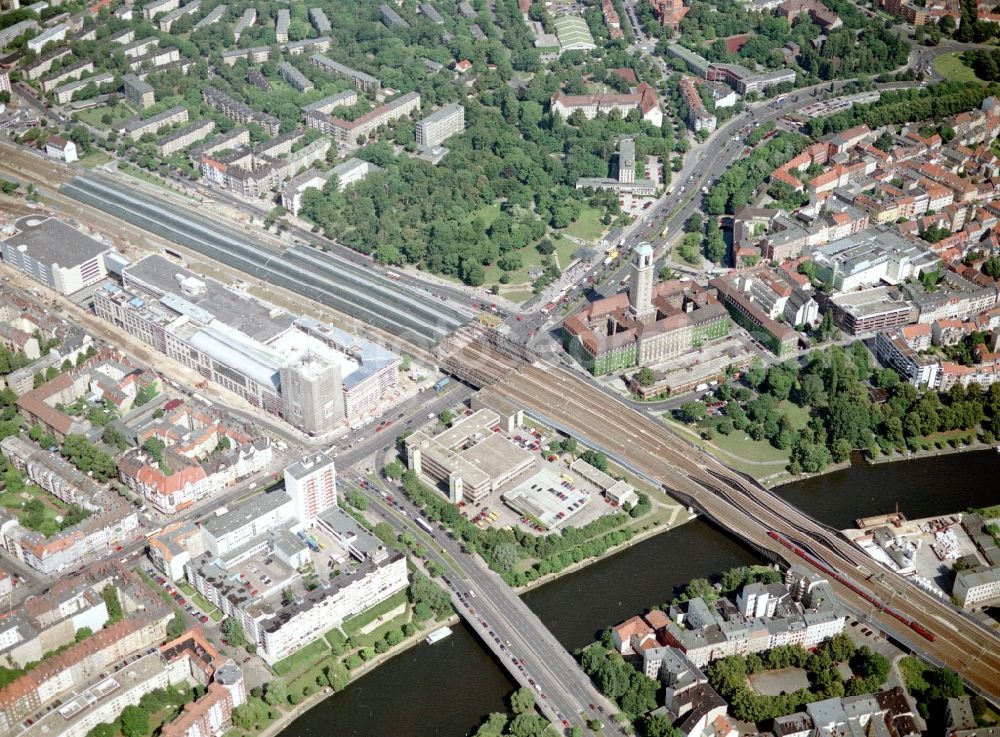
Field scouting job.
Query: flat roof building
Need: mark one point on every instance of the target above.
(60, 257)
(440, 125)
(472, 457)
(319, 20)
(362, 81)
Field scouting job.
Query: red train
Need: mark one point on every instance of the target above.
(867, 595)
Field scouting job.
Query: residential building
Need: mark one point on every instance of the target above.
(294, 77)
(391, 18)
(136, 129)
(698, 116)
(59, 148)
(167, 21)
(892, 349)
(246, 20)
(349, 133)
(362, 81)
(8, 34)
(60, 257)
(319, 21)
(281, 24)
(49, 35)
(869, 257)
(255, 55)
(347, 172)
(239, 111)
(64, 93)
(183, 137)
(205, 451)
(154, 8)
(312, 484)
(173, 547)
(440, 125)
(307, 45)
(213, 16)
(112, 521)
(71, 72)
(138, 92)
(430, 13)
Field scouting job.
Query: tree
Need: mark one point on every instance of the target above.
(276, 692)
(493, 726)
(645, 376)
(504, 557)
(176, 627)
(522, 701)
(446, 417)
(135, 722)
(232, 633)
(596, 459)
(691, 412)
(659, 725)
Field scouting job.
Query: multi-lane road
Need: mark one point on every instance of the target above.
(509, 629)
(741, 506)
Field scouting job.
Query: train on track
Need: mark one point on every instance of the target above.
(866, 595)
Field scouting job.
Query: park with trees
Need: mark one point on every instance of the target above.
(851, 405)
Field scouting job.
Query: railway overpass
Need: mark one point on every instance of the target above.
(736, 503)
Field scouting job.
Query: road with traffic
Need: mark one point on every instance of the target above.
(518, 639)
(647, 448)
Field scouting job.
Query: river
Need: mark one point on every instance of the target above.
(447, 688)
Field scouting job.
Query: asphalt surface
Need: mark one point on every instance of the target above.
(647, 448)
(509, 629)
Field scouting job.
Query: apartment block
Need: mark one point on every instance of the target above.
(240, 111)
(138, 92)
(362, 81)
(136, 129)
(184, 137)
(64, 93)
(312, 485)
(350, 132)
(437, 127)
(72, 72)
(281, 25)
(294, 77)
(166, 22)
(319, 20)
(246, 20)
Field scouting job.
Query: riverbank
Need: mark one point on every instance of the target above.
(639, 537)
(287, 717)
(929, 453)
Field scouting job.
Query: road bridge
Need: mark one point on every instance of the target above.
(740, 505)
(514, 634)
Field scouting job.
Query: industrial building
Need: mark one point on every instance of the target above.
(60, 257)
(314, 376)
(472, 458)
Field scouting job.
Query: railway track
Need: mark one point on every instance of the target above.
(733, 501)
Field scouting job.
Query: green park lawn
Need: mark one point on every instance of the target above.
(355, 623)
(302, 658)
(588, 226)
(52, 507)
(95, 159)
(950, 67)
(93, 115)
